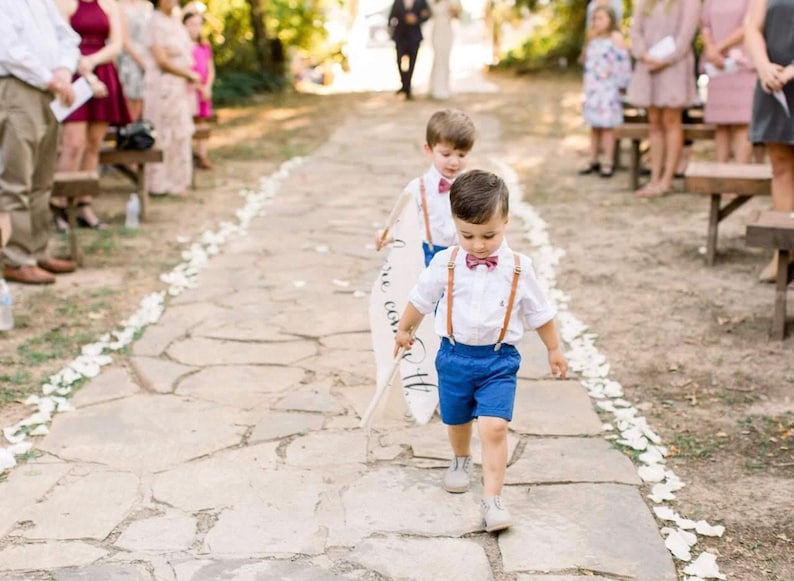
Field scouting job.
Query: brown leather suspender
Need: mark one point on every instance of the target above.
(508, 312)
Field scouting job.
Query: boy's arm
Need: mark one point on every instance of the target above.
(557, 362)
(409, 322)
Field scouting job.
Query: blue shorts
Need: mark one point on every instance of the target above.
(430, 252)
(476, 381)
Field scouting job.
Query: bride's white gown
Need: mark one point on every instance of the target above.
(444, 12)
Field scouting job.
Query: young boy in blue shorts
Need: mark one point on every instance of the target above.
(486, 295)
(449, 137)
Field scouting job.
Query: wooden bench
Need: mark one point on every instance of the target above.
(715, 179)
(72, 185)
(123, 159)
(775, 230)
(637, 132)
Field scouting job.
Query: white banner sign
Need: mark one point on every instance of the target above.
(388, 298)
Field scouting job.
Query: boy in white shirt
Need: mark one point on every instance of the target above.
(495, 295)
(449, 137)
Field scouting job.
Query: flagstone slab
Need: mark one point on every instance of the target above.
(168, 533)
(523, 577)
(259, 527)
(546, 460)
(174, 323)
(203, 293)
(360, 364)
(109, 572)
(113, 383)
(369, 507)
(253, 569)
(217, 481)
(48, 555)
(534, 358)
(243, 326)
(240, 386)
(321, 448)
(316, 397)
(203, 352)
(349, 342)
(423, 559)
(159, 375)
(276, 425)
(554, 408)
(25, 485)
(568, 526)
(139, 433)
(329, 315)
(87, 507)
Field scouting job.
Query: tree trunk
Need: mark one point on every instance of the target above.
(261, 42)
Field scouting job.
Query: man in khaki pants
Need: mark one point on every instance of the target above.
(38, 55)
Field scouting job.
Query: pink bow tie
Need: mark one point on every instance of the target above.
(443, 186)
(472, 261)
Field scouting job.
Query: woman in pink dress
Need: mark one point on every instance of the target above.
(663, 81)
(205, 67)
(731, 77)
(169, 99)
(98, 22)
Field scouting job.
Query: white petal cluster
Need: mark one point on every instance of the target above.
(94, 356)
(627, 428)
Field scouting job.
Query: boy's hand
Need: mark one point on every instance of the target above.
(403, 339)
(558, 363)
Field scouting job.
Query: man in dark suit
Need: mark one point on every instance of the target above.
(406, 18)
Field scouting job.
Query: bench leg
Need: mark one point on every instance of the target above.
(74, 244)
(634, 163)
(784, 272)
(714, 223)
(143, 192)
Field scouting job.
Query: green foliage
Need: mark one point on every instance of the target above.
(561, 36)
(236, 86)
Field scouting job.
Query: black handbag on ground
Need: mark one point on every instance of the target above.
(137, 135)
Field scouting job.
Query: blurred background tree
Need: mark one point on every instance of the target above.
(252, 39)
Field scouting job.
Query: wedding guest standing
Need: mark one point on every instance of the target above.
(98, 22)
(131, 61)
(769, 38)
(731, 78)
(38, 55)
(444, 12)
(664, 85)
(169, 99)
(406, 18)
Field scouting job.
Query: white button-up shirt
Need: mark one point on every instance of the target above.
(442, 228)
(480, 297)
(34, 41)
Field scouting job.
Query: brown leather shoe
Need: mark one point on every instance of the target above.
(28, 275)
(57, 265)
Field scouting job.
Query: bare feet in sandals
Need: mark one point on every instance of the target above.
(652, 190)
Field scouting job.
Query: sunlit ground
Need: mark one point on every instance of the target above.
(373, 65)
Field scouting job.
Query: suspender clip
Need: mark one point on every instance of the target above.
(497, 346)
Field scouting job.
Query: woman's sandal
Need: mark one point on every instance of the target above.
(592, 167)
(607, 171)
(83, 223)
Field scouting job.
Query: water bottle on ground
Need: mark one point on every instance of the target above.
(6, 313)
(133, 217)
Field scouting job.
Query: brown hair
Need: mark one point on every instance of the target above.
(477, 195)
(613, 18)
(450, 126)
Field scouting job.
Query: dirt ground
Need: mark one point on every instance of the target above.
(688, 342)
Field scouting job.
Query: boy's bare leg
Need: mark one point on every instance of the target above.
(493, 435)
(460, 439)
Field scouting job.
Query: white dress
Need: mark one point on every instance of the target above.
(444, 12)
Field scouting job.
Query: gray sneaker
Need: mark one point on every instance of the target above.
(495, 514)
(456, 478)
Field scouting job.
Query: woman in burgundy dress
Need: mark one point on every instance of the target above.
(98, 22)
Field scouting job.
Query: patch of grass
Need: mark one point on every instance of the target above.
(103, 243)
(690, 445)
(767, 441)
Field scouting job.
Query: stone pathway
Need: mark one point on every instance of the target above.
(228, 447)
